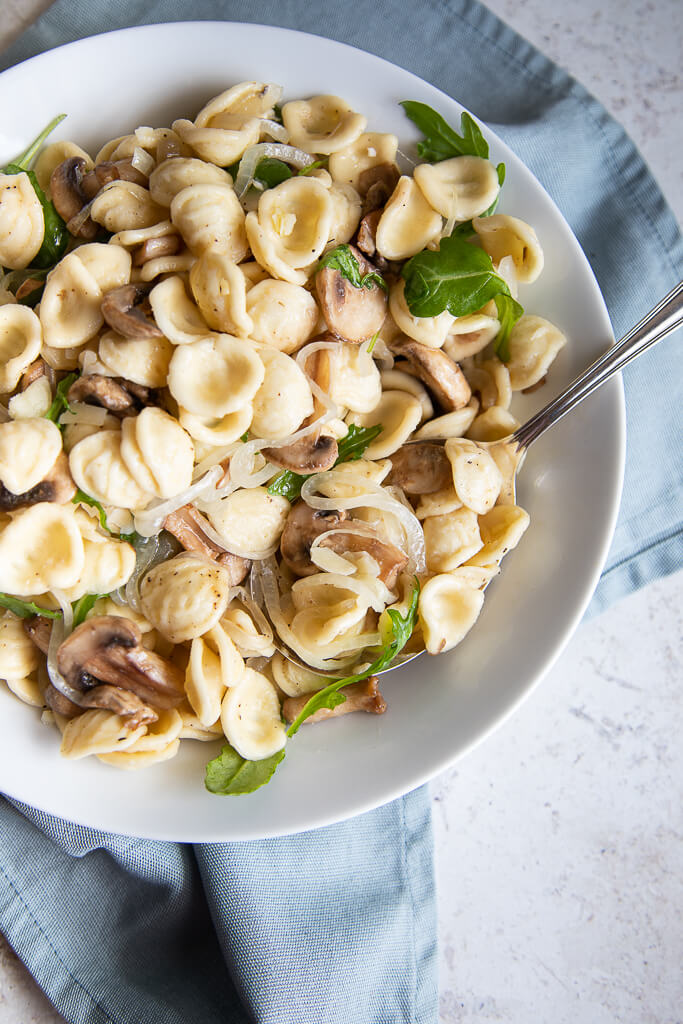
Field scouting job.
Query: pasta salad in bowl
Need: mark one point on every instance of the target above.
(251, 362)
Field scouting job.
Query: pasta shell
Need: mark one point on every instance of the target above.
(21, 221)
(20, 342)
(41, 549)
(460, 188)
(250, 715)
(448, 608)
(408, 223)
(28, 450)
(215, 376)
(323, 124)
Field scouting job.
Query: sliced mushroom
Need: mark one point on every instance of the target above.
(37, 369)
(69, 197)
(108, 648)
(421, 467)
(436, 370)
(94, 389)
(367, 230)
(186, 526)
(38, 629)
(60, 704)
(103, 173)
(376, 184)
(311, 454)
(353, 314)
(120, 701)
(364, 696)
(29, 286)
(302, 527)
(57, 487)
(155, 248)
(390, 559)
(126, 310)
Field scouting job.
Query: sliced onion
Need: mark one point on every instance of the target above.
(343, 653)
(276, 130)
(61, 628)
(78, 220)
(149, 521)
(142, 161)
(322, 396)
(214, 457)
(149, 553)
(277, 151)
(373, 496)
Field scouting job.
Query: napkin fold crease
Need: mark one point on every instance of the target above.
(338, 925)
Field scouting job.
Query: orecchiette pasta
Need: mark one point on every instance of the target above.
(237, 439)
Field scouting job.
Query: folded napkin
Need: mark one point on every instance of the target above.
(338, 925)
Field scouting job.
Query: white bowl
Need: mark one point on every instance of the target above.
(438, 708)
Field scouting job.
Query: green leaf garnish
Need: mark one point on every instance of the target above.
(271, 172)
(80, 497)
(441, 142)
(309, 168)
(342, 259)
(457, 277)
(83, 606)
(60, 403)
(24, 161)
(355, 442)
(509, 312)
(26, 609)
(399, 633)
(373, 341)
(229, 774)
(245, 436)
(351, 447)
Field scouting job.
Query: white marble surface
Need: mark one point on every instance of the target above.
(558, 841)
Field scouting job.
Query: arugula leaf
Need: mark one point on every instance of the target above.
(351, 447)
(81, 497)
(373, 342)
(342, 259)
(24, 161)
(55, 234)
(457, 277)
(230, 774)
(509, 313)
(277, 113)
(271, 172)
(355, 442)
(399, 633)
(60, 402)
(26, 609)
(442, 142)
(83, 606)
(245, 436)
(309, 168)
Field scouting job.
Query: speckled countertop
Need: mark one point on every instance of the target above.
(559, 840)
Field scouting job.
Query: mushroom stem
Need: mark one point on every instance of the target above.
(364, 696)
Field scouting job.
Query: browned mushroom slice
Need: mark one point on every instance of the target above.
(367, 231)
(302, 527)
(390, 559)
(39, 629)
(107, 171)
(94, 389)
(364, 696)
(69, 198)
(439, 372)
(353, 314)
(420, 467)
(57, 487)
(37, 369)
(121, 702)
(155, 248)
(311, 454)
(186, 526)
(60, 704)
(108, 648)
(124, 310)
(376, 184)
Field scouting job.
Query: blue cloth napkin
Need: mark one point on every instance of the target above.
(338, 925)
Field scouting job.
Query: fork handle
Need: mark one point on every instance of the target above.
(664, 318)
